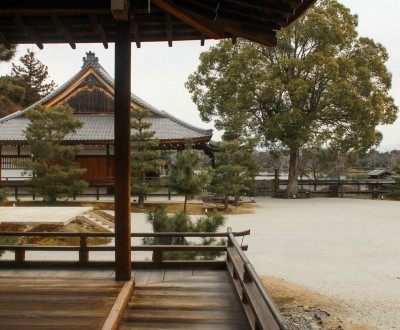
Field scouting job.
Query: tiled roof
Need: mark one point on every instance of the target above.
(379, 172)
(101, 126)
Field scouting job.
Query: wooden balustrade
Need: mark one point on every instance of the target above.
(84, 249)
(260, 309)
(258, 304)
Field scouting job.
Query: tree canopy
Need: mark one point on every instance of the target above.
(235, 169)
(33, 76)
(7, 54)
(321, 83)
(10, 95)
(182, 177)
(55, 174)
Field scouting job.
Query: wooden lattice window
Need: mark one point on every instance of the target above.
(12, 162)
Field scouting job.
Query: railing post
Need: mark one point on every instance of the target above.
(158, 256)
(246, 275)
(83, 251)
(19, 256)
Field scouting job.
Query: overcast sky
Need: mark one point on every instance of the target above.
(159, 72)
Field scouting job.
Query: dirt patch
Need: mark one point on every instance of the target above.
(306, 309)
(73, 227)
(192, 208)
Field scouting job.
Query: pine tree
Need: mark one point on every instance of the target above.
(10, 95)
(181, 222)
(182, 177)
(55, 174)
(6, 55)
(32, 75)
(145, 158)
(236, 169)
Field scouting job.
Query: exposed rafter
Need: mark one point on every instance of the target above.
(98, 29)
(88, 21)
(168, 24)
(135, 31)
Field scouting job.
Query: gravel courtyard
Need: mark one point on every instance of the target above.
(346, 249)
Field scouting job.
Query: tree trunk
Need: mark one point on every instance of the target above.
(141, 201)
(226, 202)
(291, 190)
(184, 205)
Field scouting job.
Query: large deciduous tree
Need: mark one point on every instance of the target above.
(55, 174)
(146, 159)
(321, 82)
(33, 76)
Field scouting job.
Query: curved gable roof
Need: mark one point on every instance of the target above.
(100, 127)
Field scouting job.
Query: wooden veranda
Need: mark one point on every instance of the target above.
(164, 294)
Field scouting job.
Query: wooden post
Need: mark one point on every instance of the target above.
(83, 252)
(19, 256)
(122, 124)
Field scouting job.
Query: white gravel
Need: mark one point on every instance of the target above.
(346, 249)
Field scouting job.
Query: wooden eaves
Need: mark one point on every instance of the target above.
(87, 21)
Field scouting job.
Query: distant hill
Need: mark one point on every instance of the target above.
(388, 147)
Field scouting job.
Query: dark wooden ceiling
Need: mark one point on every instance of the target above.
(93, 21)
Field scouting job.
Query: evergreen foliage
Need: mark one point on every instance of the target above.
(55, 174)
(32, 75)
(145, 158)
(181, 222)
(3, 195)
(6, 55)
(10, 95)
(322, 83)
(182, 177)
(236, 169)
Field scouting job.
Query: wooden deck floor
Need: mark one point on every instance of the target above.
(82, 299)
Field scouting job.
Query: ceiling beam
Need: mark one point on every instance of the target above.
(168, 23)
(20, 24)
(98, 29)
(69, 37)
(219, 27)
(62, 29)
(199, 22)
(135, 31)
(35, 37)
(57, 23)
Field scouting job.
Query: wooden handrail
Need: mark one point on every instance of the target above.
(97, 234)
(249, 275)
(84, 248)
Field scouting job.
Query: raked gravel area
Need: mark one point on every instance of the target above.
(347, 249)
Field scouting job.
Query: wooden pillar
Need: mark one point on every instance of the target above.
(122, 151)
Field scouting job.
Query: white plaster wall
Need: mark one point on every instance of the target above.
(14, 175)
(9, 151)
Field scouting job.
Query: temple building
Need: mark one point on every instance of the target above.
(91, 93)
